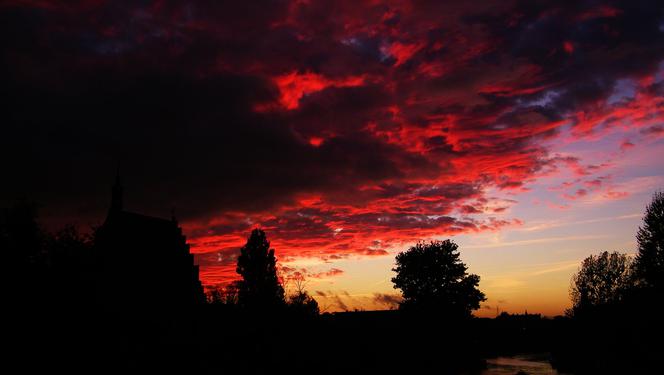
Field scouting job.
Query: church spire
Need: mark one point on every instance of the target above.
(116, 197)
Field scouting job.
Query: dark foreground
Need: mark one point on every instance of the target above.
(218, 340)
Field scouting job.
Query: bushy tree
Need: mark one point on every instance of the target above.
(260, 286)
(602, 280)
(432, 278)
(227, 295)
(649, 263)
(301, 303)
(22, 239)
(43, 268)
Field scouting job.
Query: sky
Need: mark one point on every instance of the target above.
(529, 132)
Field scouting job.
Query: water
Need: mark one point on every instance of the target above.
(531, 364)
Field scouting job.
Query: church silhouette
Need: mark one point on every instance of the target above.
(145, 263)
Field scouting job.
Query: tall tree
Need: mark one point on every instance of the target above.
(260, 286)
(649, 263)
(432, 278)
(602, 280)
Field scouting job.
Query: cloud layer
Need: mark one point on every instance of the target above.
(342, 128)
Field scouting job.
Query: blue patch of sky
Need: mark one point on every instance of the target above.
(623, 90)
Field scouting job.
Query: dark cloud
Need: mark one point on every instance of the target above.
(303, 274)
(653, 130)
(389, 301)
(334, 298)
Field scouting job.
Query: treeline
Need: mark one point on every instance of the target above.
(430, 275)
(55, 271)
(254, 326)
(616, 324)
(610, 280)
(260, 287)
(44, 270)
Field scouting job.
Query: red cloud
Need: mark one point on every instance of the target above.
(293, 86)
(402, 52)
(615, 194)
(626, 145)
(603, 11)
(579, 193)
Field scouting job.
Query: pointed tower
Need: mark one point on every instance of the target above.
(116, 196)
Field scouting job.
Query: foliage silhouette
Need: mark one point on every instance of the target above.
(22, 239)
(300, 303)
(54, 274)
(45, 269)
(23, 248)
(602, 280)
(649, 262)
(227, 295)
(260, 286)
(432, 278)
(71, 262)
(614, 327)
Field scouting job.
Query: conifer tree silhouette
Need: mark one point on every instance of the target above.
(649, 262)
(260, 286)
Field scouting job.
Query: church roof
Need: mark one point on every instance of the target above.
(136, 251)
(143, 221)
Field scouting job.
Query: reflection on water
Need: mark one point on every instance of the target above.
(531, 364)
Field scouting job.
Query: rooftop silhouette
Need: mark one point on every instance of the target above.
(138, 252)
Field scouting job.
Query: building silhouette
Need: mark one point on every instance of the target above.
(145, 263)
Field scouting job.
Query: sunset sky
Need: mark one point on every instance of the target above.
(531, 132)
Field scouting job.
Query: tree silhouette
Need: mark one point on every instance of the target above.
(432, 278)
(22, 239)
(227, 295)
(23, 249)
(602, 280)
(72, 267)
(260, 286)
(45, 269)
(649, 263)
(301, 303)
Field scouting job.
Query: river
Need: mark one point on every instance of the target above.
(531, 364)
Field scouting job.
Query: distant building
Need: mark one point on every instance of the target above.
(145, 263)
